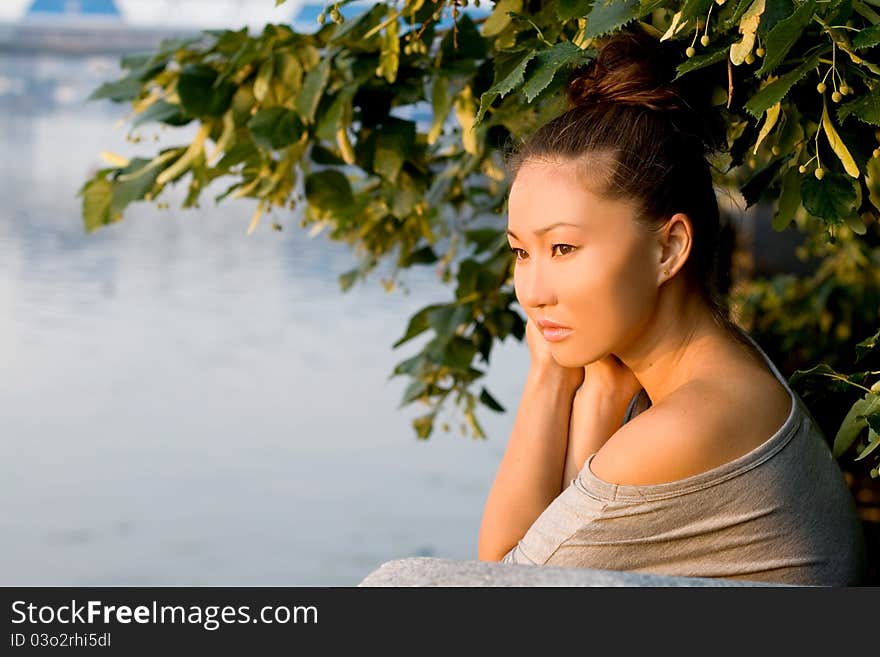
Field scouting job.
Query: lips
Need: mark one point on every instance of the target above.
(547, 324)
(552, 331)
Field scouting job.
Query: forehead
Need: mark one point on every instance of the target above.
(546, 192)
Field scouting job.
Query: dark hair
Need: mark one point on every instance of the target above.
(658, 133)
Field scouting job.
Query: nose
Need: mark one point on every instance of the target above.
(533, 288)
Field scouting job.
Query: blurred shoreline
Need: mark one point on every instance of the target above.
(83, 38)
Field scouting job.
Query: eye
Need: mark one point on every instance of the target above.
(564, 246)
(516, 251)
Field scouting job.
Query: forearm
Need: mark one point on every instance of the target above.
(530, 474)
(594, 419)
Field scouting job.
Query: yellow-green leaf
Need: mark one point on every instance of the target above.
(789, 199)
(344, 144)
(771, 117)
(97, 198)
(674, 27)
(441, 103)
(837, 145)
(872, 178)
(855, 422)
(748, 26)
(225, 138)
(195, 149)
(114, 160)
(389, 58)
(499, 18)
(264, 78)
(465, 111)
(255, 219)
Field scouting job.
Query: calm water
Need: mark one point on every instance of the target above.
(183, 404)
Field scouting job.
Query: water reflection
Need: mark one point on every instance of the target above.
(183, 404)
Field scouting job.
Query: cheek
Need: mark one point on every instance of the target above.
(617, 289)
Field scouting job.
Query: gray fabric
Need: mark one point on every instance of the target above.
(431, 571)
(781, 513)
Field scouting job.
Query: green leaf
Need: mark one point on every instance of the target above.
(866, 38)
(609, 15)
(313, 88)
(239, 153)
(789, 199)
(734, 17)
(548, 63)
(162, 112)
(459, 353)
(337, 115)
(774, 12)
(855, 422)
(756, 187)
(873, 437)
(471, 44)
(514, 79)
(394, 144)
(568, 9)
(275, 127)
(866, 346)
(410, 366)
(423, 256)
(694, 8)
(97, 198)
(485, 238)
(418, 324)
(784, 34)
(776, 90)
(330, 191)
(446, 319)
(441, 104)
(120, 91)
(866, 108)
(348, 279)
(135, 188)
(701, 61)
(832, 198)
(842, 381)
(198, 94)
(490, 401)
(468, 271)
(414, 390)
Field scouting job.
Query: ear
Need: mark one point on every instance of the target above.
(675, 240)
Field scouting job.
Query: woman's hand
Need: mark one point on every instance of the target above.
(609, 378)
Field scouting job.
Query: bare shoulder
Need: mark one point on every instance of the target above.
(702, 425)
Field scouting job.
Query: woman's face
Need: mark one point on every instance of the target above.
(598, 277)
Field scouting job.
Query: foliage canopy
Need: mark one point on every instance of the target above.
(322, 123)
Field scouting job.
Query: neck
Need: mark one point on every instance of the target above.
(680, 342)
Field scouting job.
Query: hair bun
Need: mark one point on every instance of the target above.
(630, 68)
(633, 68)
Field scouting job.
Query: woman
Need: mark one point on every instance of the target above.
(653, 434)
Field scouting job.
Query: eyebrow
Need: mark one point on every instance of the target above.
(546, 229)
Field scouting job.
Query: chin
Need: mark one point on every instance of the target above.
(581, 358)
(566, 360)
